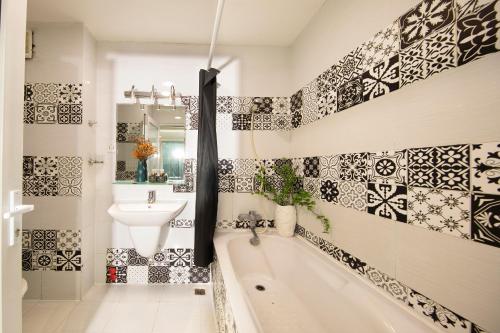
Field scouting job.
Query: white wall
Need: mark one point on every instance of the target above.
(63, 53)
(245, 71)
(457, 106)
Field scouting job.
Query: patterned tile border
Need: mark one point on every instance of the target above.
(53, 103)
(223, 313)
(173, 265)
(52, 176)
(431, 37)
(51, 250)
(452, 189)
(423, 306)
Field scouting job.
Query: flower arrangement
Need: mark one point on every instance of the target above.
(143, 149)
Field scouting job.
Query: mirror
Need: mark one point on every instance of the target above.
(164, 126)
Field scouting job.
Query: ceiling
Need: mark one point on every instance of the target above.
(244, 22)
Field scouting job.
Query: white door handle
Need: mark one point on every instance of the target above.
(19, 210)
(16, 209)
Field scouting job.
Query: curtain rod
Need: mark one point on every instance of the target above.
(215, 32)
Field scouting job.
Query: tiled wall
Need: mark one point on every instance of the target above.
(223, 312)
(449, 185)
(52, 176)
(453, 190)
(53, 103)
(430, 38)
(52, 250)
(416, 302)
(59, 100)
(171, 265)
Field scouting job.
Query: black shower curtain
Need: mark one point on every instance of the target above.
(206, 174)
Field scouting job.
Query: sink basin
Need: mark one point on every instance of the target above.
(145, 221)
(143, 214)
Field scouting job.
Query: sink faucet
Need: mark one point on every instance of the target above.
(151, 197)
(252, 217)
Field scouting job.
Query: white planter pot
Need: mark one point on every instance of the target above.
(285, 218)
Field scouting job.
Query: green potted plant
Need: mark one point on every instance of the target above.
(284, 190)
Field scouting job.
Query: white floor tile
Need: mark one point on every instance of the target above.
(124, 309)
(89, 317)
(47, 316)
(179, 317)
(132, 317)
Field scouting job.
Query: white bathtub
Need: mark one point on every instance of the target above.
(305, 291)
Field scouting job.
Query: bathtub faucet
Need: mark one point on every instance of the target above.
(252, 217)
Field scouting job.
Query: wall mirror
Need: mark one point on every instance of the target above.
(164, 126)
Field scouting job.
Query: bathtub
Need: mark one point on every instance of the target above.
(286, 285)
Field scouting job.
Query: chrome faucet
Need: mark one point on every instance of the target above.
(252, 217)
(151, 197)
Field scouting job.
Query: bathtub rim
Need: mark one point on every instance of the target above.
(236, 295)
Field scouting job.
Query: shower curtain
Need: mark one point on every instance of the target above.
(206, 174)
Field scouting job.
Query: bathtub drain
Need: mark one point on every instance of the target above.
(260, 287)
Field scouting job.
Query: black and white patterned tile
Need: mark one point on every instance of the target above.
(242, 104)
(27, 259)
(445, 211)
(478, 32)
(43, 260)
(29, 112)
(158, 274)
(329, 166)
(387, 167)
(383, 46)
(135, 259)
(351, 66)
(179, 257)
(68, 260)
(70, 93)
(281, 122)
(45, 93)
(227, 184)
(485, 216)
(68, 240)
(388, 201)
(329, 190)
(350, 94)
(353, 167)
(310, 103)
(381, 79)
(412, 63)
(159, 259)
(199, 274)
(428, 16)
(262, 122)
(224, 104)
(485, 167)
(441, 52)
(182, 223)
(445, 167)
(312, 185)
(311, 167)
(137, 274)
(281, 105)
(179, 274)
(117, 257)
(242, 121)
(391, 286)
(44, 239)
(352, 194)
(46, 113)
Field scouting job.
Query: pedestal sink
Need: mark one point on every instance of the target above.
(145, 221)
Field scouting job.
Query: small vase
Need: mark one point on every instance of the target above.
(285, 218)
(142, 171)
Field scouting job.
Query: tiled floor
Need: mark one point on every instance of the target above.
(124, 309)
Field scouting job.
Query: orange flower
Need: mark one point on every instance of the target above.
(143, 149)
